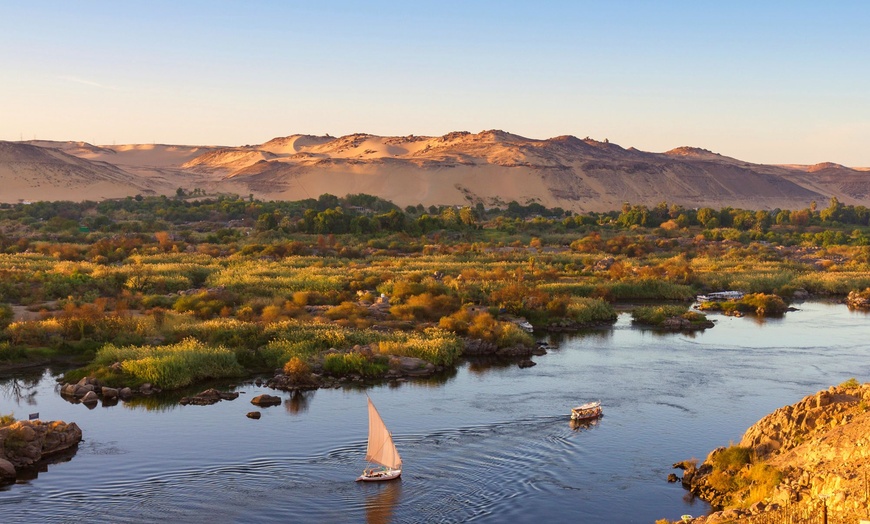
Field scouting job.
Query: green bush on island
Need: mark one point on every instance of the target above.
(306, 341)
(657, 315)
(760, 304)
(172, 366)
(590, 310)
(342, 364)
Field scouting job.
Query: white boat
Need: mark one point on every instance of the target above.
(381, 451)
(587, 411)
(720, 296)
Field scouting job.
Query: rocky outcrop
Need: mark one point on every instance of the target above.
(859, 300)
(208, 397)
(24, 444)
(266, 400)
(90, 391)
(820, 445)
(475, 347)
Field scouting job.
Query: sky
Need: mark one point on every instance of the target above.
(763, 81)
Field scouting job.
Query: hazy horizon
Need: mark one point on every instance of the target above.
(780, 83)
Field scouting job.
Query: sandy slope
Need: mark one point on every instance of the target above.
(491, 167)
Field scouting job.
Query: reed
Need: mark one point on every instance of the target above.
(173, 366)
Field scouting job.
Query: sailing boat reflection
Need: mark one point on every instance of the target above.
(380, 505)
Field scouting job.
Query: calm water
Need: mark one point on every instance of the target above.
(486, 444)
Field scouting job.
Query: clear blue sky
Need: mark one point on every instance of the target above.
(773, 82)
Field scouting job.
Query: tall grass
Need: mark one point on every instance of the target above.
(308, 341)
(172, 366)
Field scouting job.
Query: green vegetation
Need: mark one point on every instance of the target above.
(340, 284)
(658, 316)
(851, 383)
(741, 477)
(6, 420)
(170, 366)
(760, 304)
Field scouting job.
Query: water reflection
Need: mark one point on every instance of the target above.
(298, 402)
(26, 474)
(381, 504)
(21, 390)
(580, 425)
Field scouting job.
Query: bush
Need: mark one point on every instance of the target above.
(656, 315)
(10, 353)
(851, 383)
(341, 364)
(173, 366)
(6, 420)
(6, 315)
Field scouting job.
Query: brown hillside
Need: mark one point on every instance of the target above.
(491, 167)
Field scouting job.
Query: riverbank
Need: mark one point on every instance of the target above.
(817, 449)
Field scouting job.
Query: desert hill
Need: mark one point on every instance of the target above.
(491, 167)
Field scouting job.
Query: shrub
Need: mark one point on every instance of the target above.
(764, 305)
(9, 352)
(851, 383)
(6, 315)
(340, 364)
(173, 366)
(656, 315)
(6, 420)
(588, 310)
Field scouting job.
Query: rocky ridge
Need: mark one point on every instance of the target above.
(821, 445)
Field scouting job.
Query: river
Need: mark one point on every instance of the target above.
(488, 443)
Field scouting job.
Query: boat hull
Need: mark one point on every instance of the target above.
(380, 476)
(588, 411)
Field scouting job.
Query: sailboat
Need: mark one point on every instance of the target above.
(380, 451)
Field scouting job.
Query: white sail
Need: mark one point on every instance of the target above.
(381, 449)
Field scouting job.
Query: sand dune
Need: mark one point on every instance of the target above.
(491, 167)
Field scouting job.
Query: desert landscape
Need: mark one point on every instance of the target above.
(490, 168)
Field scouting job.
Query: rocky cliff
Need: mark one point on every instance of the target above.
(819, 447)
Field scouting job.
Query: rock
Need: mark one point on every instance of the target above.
(208, 397)
(411, 366)
(525, 364)
(266, 400)
(109, 393)
(756, 508)
(145, 389)
(7, 471)
(90, 397)
(23, 443)
(254, 415)
(672, 477)
(125, 393)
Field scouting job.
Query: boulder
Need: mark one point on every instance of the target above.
(7, 471)
(253, 414)
(23, 443)
(208, 397)
(125, 393)
(89, 397)
(266, 400)
(411, 366)
(109, 392)
(525, 364)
